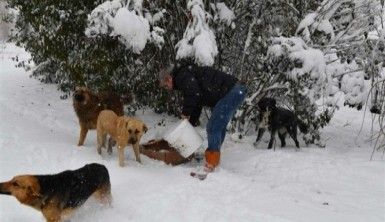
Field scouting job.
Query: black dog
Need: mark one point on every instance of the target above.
(277, 119)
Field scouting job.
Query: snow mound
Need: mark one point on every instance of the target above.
(101, 18)
(205, 53)
(353, 85)
(225, 14)
(313, 63)
(115, 18)
(306, 60)
(203, 47)
(133, 30)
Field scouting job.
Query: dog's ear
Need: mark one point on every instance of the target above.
(127, 122)
(30, 184)
(262, 103)
(33, 190)
(145, 129)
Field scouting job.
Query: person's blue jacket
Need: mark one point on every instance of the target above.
(200, 86)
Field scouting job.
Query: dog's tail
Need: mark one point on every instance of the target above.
(302, 126)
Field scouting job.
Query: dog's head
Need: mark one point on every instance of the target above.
(81, 95)
(25, 188)
(132, 129)
(265, 107)
(266, 103)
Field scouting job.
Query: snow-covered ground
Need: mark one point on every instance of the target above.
(39, 132)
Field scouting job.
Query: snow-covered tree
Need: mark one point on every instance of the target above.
(350, 30)
(303, 81)
(51, 32)
(350, 33)
(312, 55)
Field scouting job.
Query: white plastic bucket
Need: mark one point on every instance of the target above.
(184, 138)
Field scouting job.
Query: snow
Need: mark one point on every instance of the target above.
(313, 62)
(157, 36)
(133, 30)
(137, 4)
(315, 21)
(286, 44)
(38, 135)
(304, 25)
(204, 53)
(153, 19)
(225, 14)
(353, 85)
(101, 18)
(184, 49)
(115, 19)
(204, 47)
(326, 27)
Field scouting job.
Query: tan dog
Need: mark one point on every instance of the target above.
(88, 105)
(56, 196)
(124, 130)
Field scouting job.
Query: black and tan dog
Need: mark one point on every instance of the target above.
(58, 195)
(88, 105)
(277, 119)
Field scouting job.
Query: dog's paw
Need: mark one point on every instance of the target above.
(255, 144)
(238, 137)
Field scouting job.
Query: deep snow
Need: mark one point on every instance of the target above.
(39, 132)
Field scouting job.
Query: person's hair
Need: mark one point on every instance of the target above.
(165, 72)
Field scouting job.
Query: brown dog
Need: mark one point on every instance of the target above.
(58, 195)
(88, 105)
(124, 130)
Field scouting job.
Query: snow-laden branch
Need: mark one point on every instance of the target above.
(125, 20)
(198, 39)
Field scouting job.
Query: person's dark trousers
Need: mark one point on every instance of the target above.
(221, 116)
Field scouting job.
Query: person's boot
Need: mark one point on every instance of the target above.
(212, 160)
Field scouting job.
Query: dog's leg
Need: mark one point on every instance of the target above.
(272, 138)
(282, 138)
(83, 134)
(121, 153)
(293, 135)
(104, 139)
(67, 213)
(261, 131)
(111, 143)
(101, 141)
(121, 156)
(103, 195)
(136, 148)
(52, 213)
